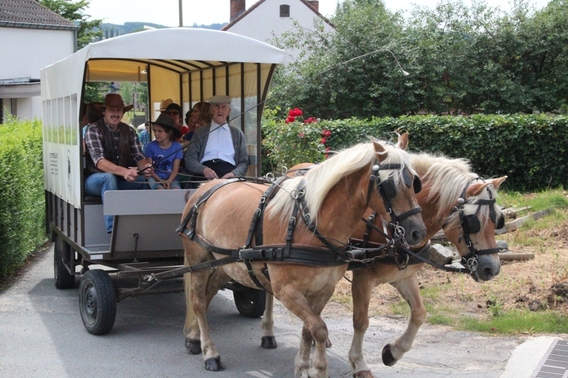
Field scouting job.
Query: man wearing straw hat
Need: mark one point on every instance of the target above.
(218, 150)
(113, 154)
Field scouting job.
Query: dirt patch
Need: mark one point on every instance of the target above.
(535, 284)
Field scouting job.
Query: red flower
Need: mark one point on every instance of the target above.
(301, 135)
(327, 149)
(296, 112)
(311, 120)
(323, 140)
(290, 119)
(326, 133)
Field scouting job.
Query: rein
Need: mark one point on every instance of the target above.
(470, 224)
(288, 252)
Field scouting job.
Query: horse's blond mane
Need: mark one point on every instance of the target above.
(323, 177)
(448, 179)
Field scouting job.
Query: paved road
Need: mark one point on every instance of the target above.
(41, 335)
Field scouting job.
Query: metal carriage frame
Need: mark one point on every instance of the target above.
(187, 65)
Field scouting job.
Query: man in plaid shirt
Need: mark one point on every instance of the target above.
(113, 154)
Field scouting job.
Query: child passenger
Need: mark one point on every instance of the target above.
(165, 153)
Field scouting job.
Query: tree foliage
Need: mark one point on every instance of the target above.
(459, 59)
(89, 30)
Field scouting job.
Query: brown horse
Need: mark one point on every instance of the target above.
(303, 260)
(453, 199)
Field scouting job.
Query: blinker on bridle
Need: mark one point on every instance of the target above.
(387, 190)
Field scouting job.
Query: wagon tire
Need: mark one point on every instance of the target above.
(61, 251)
(97, 302)
(250, 302)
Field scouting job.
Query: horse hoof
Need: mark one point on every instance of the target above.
(269, 342)
(363, 374)
(388, 358)
(214, 364)
(193, 346)
(328, 343)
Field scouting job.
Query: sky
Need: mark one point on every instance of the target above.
(206, 12)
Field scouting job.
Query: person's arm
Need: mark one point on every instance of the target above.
(129, 174)
(143, 163)
(94, 143)
(174, 173)
(241, 155)
(198, 143)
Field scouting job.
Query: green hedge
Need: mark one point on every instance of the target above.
(529, 149)
(22, 207)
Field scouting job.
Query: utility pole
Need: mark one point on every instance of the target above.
(180, 14)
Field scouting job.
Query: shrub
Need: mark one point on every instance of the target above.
(22, 209)
(529, 149)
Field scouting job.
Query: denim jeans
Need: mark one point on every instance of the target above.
(156, 185)
(98, 183)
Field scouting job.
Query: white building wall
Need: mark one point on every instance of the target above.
(25, 53)
(263, 22)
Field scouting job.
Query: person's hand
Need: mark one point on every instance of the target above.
(167, 184)
(209, 173)
(228, 175)
(148, 170)
(130, 174)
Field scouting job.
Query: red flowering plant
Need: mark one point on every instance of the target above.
(296, 139)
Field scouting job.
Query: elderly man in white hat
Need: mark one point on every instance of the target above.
(218, 150)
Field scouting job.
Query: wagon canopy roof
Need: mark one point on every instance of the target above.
(192, 44)
(177, 50)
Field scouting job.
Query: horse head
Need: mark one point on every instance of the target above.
(397, 185)
(471, 227)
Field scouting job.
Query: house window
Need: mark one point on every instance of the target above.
(284, 10)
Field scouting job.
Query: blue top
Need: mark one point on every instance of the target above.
(163, 160)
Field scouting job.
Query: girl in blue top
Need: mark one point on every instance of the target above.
(165, 153)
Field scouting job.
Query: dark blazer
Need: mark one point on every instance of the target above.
(196, 149)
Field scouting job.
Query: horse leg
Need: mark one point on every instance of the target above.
(319, 334)
(302, 360)
(361, 291)
(410, 291)
(314, 329)
(268, 338)
(201, 295)
(190, 327)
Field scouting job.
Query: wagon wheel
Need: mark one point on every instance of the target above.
(97, 302)
(250, 302)
(61, 255)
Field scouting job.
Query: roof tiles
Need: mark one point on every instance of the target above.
(30, 14)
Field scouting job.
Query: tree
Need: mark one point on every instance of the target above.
(460, 59)
(352, 72)
(89, 31)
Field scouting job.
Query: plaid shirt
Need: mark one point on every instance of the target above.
(95, 143)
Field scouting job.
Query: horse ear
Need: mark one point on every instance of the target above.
(475, 189)
(402, 141)
(380, 150)
(496, 182)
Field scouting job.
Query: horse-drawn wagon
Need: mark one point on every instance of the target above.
(184, 64)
